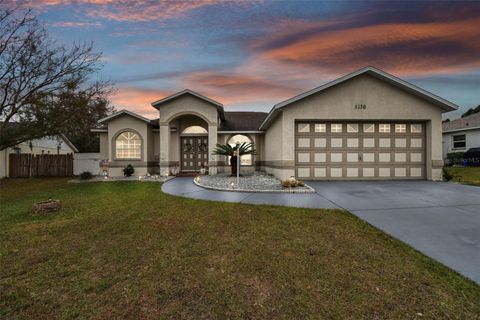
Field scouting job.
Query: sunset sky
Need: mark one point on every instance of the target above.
(250, 55)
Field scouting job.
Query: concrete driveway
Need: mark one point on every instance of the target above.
(442, 220)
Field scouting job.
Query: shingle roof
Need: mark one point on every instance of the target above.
(471, 121)
(242, 121)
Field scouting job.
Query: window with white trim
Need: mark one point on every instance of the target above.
(128, 145)
(247, 159)
(459, 141)
(384, 127)
(400, 128)
(336, 127)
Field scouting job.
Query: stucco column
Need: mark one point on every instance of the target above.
(164, 147)
(434, 147)
(212, 141)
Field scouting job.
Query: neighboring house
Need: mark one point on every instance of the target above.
(48, 145)
(365, 125)
(461, 134)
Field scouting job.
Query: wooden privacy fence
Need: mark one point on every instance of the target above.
(40, 165)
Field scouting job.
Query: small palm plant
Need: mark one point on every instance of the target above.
(231, 151)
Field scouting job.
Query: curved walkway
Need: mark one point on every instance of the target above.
(442, 220)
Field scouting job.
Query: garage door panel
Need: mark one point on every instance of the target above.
(360, 150)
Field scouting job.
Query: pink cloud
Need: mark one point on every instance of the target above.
(127, 10)
(75, 24)
(233, 88)
(404, 49)
(137, 100)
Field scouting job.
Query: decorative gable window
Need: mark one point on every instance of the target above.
(128, 145)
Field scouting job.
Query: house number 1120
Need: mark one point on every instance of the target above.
(360, 106)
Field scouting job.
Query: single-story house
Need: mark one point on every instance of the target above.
(365, 125)
(47, 145)
(461, 134)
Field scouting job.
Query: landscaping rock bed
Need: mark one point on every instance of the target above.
(254, 182)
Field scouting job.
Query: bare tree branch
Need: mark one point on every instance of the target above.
(44, 87)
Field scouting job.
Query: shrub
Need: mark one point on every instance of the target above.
(454, 158)
(86, 175)
(286, 183)
(128, 170)
(447, 176)
(292, 183)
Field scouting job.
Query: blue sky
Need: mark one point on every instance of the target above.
(250, 55)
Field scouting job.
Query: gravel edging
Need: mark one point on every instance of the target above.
(291, 190)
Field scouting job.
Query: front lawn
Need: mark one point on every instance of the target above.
(127, 250)
(465, 175)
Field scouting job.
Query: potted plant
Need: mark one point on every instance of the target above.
(231, 151)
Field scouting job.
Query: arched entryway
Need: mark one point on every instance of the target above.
(189, 144)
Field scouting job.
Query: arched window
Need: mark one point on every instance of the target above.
(195, 130)
(128, 145)
(245, 160)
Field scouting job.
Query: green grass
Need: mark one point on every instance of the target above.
(127, 250)
(465, 175)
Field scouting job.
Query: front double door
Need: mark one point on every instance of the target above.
(194, 153)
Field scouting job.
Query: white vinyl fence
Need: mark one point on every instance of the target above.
(86, 162)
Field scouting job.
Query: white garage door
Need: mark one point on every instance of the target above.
(360, 150)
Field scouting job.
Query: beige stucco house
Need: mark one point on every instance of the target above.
(365, 125)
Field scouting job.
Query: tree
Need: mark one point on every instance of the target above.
(45, 89)
(231, 151)
(471, 111)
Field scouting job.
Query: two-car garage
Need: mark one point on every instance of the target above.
(367, 125)
(360, 150)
